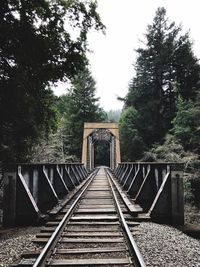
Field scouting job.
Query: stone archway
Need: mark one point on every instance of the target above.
(94, 132)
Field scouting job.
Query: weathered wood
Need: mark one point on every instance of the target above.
(41, 235)
(132, 207)
(25, 262)
(97, 202)
(94, 223)
(98, 211)
(52, 223)
(90, 250)
(139, 218)
(99, 189)
(48, 229)
(92, 234)
(30, 253)
(58, 218)
(92, 240)
(99, 193)
(94, 229)
(41, 240)
(90, 262)
(99, 197)
(95, 206)
(133, 224)
(95, 217)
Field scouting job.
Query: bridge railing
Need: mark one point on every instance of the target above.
(32, 189)
(156, 187)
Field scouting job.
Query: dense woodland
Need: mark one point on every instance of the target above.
(162, 104)
(43, 42)
(161, 116)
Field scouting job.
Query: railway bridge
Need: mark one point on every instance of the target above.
(81, 204)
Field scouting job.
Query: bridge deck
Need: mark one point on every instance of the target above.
(90, 232)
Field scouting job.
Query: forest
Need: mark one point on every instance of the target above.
(160, 120)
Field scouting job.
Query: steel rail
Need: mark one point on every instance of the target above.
(48, 248)
(137, 259)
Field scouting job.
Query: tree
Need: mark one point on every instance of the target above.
(37, 48)
(186, 124)
(131, 142)
(82, 106)
(62, 104)
(52, 149)
(165, 68)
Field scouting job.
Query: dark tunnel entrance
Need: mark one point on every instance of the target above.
(102, 153)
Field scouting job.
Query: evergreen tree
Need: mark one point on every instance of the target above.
(131, 142)
(186, 124)
(165, 68)
(62, 104)
(82, 106)
(37, 49)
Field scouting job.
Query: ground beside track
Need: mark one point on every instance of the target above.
(166, 246)
(161, 245)
(14, 241)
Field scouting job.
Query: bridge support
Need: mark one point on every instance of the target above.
(32, 189)
(156, 187)
(94, 132)
(177, 194)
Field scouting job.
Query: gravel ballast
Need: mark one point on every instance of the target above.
(14, 241)
(161, 245)
(165, 246)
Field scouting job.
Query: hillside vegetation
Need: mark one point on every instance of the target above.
(161, 116)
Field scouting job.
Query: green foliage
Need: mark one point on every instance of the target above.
(102, 153)
(24, 122)
(165, 68)
(132, 144)
(186, 124)
(195, 188)
(188, 192)
(37, 48)
(62, 103)
(52, 149)
(82, 106)
(192, 178)
(149, 156)
(171, 150)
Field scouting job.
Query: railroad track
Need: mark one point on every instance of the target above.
(94, 229)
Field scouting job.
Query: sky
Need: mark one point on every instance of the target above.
(113, 54)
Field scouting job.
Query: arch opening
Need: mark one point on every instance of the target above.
(100, 145)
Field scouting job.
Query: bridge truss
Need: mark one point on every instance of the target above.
(94, 132)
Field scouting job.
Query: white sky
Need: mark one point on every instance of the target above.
(126, 21)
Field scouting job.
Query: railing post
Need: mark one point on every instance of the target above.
(177, 194)
(9, 197)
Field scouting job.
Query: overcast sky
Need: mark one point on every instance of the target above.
(126, 21)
